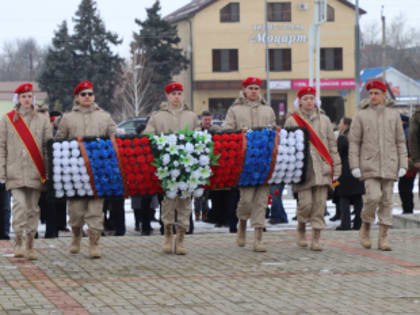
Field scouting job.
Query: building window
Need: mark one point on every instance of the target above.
(279, 12)
(330, 14)
(230, 13)
(331, 59)
(225, 60)
(280, 59)
(220, 106)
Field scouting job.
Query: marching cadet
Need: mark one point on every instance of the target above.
(378, 155)
(86, 119)
(23, 137)
(251, 111)
(174, 116)
(323, 167)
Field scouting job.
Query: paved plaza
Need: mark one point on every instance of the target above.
(216, 277)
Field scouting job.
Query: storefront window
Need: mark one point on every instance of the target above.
(230, 13)
(220, 106)
(280, 59)
(279, 12)
(331, 59)
(225, 60)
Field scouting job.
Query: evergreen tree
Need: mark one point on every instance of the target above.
(158, 40)
(85, 55)
(94, 60)
(58, 77)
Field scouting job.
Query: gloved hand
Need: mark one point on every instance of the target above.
(402, 172)
(2, 181)
(335, 177)
(356, 172)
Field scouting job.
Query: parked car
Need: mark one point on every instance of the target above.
(130, 125)
(217, 122)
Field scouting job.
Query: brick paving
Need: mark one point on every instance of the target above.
(216, 277)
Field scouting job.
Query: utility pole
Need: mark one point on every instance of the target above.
(357, 55)
(383, 43)
(267, 56)
(320, 17)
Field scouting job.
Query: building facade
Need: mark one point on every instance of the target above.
(225, 41)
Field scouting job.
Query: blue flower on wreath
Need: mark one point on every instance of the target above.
(260, 144)
(105, 168)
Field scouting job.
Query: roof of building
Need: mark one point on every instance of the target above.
(370, 73)
(195, 6)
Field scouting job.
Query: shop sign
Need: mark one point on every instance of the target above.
(281, 85)
(286, 34)
(327, 84)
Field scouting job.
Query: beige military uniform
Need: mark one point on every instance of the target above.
(246, 114)
(168, 119)
(19, 171)
(312, 194)
(86, 122)
(378, 149)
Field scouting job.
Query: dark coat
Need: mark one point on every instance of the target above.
(348, 185)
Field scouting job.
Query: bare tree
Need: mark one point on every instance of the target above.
(137, 82)
(402, 47)
(21, 60)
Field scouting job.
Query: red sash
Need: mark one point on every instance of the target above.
(28, 140)
(316, 141)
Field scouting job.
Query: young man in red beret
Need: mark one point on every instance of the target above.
(251, 111)
(174, 116)
(23, 137)
(86, 119)
(378, 155)
(324, 166)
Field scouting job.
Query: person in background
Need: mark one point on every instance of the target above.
(201, 206)
(406, 183)
(278, 214)
(24, 134)
(5, 206)
(349, 189)
(323, 168)
(378, 156)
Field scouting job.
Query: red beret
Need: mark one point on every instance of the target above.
(82, 86)
(174, 86)
(251, 81)
(306, 90)
(376, 85)
(23, 88)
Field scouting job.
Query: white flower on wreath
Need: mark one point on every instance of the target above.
(189, 147)
(192, 183)
(182, 186)
(176, 163)
(198, 192)
(199, 148)
(180, 147)
(185, 194)
(205, 172)
(172, 149)
(196, 174)
(204, 160)
(161, 173)
(188, 161)
(206, 137)
(166, 158)
(172, 139)
(175, 173)
(181, 137)
(171, 194)
(172, 185)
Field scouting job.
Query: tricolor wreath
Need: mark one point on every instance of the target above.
(177, 164)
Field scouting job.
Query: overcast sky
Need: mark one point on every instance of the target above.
(39, 19)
